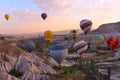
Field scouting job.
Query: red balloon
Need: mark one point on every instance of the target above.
(112, 42)
(44, 16)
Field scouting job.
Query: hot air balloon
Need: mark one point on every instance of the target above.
(2, 38)
(97, 39)
(44, 16)
(7, 16)
(73, 34)
(58, 52)
(112, 42)
(30, 46)
(48, 35)
(86, 25)
(20, 43)
(80, 47)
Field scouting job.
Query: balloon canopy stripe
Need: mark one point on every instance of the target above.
(86, 25)
(80, 47)
(87, 29)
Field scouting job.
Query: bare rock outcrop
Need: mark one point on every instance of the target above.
(109, 28)
(29, 65)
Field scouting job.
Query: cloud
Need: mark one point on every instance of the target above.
(65, 7)
(21, 22)
(28, 21)
(62, 14)
(53, 6)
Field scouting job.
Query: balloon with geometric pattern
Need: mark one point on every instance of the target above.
(112, 42)
(86, 25)
(80, 47)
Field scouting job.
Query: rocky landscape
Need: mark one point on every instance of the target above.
(108, 28)
(16, 64)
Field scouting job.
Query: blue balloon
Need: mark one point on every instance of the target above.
(58, 47)
(30, 46)
(58, 52)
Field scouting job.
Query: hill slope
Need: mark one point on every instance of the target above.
(109, 28)
(16, 64)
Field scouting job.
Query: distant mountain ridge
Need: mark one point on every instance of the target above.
(109, 28)
(37, 34)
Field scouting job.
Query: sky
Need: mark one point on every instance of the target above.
(25, 15)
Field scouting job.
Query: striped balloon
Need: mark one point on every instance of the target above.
(86, 25)
(112, 42)
(58, 52)
(97, 39)
(30, 46)
(80, 46)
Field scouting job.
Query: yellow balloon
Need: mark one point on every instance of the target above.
(7, 16)
(48, 35)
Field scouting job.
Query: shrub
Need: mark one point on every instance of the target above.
(15, 73)
(71, 50)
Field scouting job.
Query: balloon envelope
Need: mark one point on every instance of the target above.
(30, 46)
(20, 43)
(112, 42)
(86, 25)
(7, 16)
(80, 46)
(73, 31)
(48, 35)
(44, 16)
(73, 34)
(2, 38)
(58, 52)
(97, 39)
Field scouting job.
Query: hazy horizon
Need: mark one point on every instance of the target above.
(62, 15)
(57, 32)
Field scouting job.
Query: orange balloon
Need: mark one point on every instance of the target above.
(7, 16)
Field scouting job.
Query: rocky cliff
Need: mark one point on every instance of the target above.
(15, 64)
(109, 28)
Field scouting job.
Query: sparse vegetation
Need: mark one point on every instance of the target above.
(89, 69)
(71, 50)
(15, 73)
(66, 70)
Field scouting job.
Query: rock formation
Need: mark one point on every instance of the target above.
(28, 66)
(109, 28)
